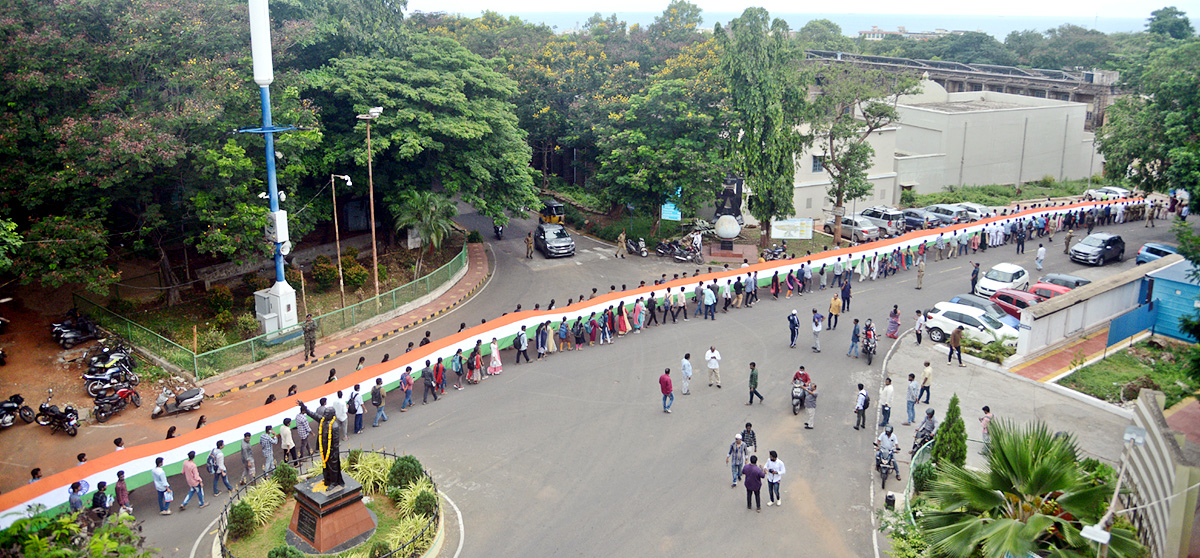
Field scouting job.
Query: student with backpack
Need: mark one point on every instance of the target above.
(860, 408)
(378, 398)
(355, 407)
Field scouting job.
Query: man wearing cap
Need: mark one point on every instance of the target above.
(793, 327)
(310, 337)
(737, 458)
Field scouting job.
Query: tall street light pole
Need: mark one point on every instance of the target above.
(337, 235)
(372, 115)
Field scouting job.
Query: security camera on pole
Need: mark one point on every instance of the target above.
(274, 307)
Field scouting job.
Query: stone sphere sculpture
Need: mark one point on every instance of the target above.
(727, 227)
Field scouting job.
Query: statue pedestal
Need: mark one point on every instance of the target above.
(328, 521)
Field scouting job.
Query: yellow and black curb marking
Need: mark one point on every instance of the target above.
(360, 344)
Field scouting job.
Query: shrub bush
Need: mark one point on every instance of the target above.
(220, 299)
(372, 471)
(291, 274)
(474, 237)
(407, 498)
(287, 477)
(426, 504)
(285, 551)
(355, 276)
(255, 282)
(405, 471)
(379, 550)
(246, 325)
(409, 530)
(923, 475)
(950, 442)
(209, 339)
(383, 274)
(350, 252)
(264, 498)
(241, 519)
(324, 273)
(120, 306)
(908, 198)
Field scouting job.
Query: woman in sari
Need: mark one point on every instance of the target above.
(893, 322)
(639, 311)
(822, 274)
(593, 329)
(791, 284)
(622, 321)
(494, 366)
(542, 336)
(473, 363)
(607, 323)
(551, 346)
(775, 285)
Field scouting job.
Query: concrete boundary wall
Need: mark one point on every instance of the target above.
(137, 461)
(1166, 465)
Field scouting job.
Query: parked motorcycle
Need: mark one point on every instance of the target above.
(665, 248)
(13, 407)
(66, 419)
(108, 357)
(775, 252)
(798, 396)
(86, 331)
(687, 254)
(119, 379)
(499, 231)
(167, 405)
(109, 405)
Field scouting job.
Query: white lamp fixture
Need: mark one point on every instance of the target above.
(260, 42)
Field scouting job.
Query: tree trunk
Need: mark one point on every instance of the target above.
(164, 268)
(657, 222)
(765, 236)
(837, 220)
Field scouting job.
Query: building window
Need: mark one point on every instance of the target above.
(816, 163)
(808, 203)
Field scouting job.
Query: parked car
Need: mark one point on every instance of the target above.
(889, 219)
(1049, 290)
(994, 310)
(553, 241)
(1107, 193)
(1069, 281)
(949, 214)
(858, 229)
(919, 219)
(1098, 249)
(977, 324)
(975, 211)
(1014, 301)
(1151, 251)
(1002, 276)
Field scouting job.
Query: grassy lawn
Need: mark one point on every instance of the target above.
(1121, 376)
(271, 535)
(1001, 195)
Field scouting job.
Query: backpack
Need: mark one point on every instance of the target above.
(376, 397)
(866, 401)
(578, 329)
(211, 464)
(517, 342)
(352, 408)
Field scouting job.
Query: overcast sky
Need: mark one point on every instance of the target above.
(1076, 8)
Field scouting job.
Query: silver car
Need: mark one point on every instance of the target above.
(858, 229)
(553, 240)
(889, 219)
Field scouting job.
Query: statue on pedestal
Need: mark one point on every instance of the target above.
(328, 444)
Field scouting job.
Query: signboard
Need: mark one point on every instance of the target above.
(839, 211)
(671, 213)
(798, 229)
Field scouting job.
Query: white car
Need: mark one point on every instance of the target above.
(1002, 276)
(976, 211)
(977, 324)
(1108, 193)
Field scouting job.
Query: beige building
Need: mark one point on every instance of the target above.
(985, 137)
(811, 194)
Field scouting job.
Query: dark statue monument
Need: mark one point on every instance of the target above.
(328, 445)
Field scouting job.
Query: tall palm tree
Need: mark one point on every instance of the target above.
(1031, 500)
(430, 213)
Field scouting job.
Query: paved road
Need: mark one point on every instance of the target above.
(575, 456)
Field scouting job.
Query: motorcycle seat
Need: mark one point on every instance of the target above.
(187, 395)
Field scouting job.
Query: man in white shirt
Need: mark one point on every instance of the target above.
(1041, 257)
(860, 408)
(775, 470)
(686, 366)
(713, 357)
(920, 325)
(339, 412)
(885, 400)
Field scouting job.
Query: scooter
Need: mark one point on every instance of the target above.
(99, 388)
(86, 332)
(798, 396)
(13, 407)
(688, 254)
(885, 463)
(189, 400)
(66, 420)
(109, 405)
(665, 248)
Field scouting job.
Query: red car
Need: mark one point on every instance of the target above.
(1013, 301)
(1049, 290)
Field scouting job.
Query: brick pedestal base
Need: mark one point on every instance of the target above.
(329, 520)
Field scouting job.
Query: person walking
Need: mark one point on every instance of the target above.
(793, 327)
(429, 381)
(303, 431)
(974, 275)
(220, 472)
(855, 334)
(846, 295)
(356, 404)
(495, 366)
(341, 411)
(161, 486)
(686, 368)
(121, 492)
(1041, 257)
(247, 455)
(1067, 242)
(817, 319)
(893, 327)
(286, 444)
(736, 458)
(710, 303)
(191, 474)
(310, 338)
(668, 391)
(713, 358)
(754, 476)
(379, 399)
(985, 422)
(620, 245)
(920, 273)
(1021, 238)
(810, 404)
(775, 470)
(529, 245)
(920, 326)
(956, 346)
(860, 408)
(835, 309)
(266, 443)
(522, 345)
(885, 401)
(754, 385)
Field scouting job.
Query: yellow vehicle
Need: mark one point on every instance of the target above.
(552, 211)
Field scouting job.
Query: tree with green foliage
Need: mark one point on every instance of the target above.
(823, 34)
(972, 48)
(950, 442)
(853, 104)
(62, 250)
(10, 243)
(1023, 44)
(1071, 46)
(429, 213)
(1032, 498)
(767, 96)
(1170, 21)
(1189, 248)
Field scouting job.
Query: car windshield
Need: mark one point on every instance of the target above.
(559, 233)
(994, 310)
(991, 322)
(1092, 241)
(1001, 276)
